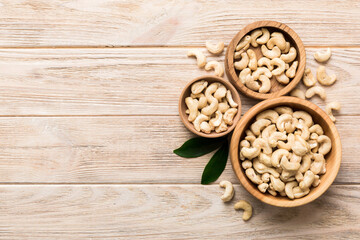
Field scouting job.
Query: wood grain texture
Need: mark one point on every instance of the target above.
(124, 23)
(119, 82)
(128, 149)
(168, 212)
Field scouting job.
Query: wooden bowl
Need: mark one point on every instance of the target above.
(186, 93)
(333, 158)
(277, 89)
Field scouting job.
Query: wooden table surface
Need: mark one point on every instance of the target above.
(89, 119)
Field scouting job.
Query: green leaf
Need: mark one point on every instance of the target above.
(216, 165)
(198, 146)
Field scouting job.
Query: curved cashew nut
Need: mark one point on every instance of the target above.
(220, 92)
(316, 181)
(259, 125)
(305, 117)
(290, 73)
(309, 178)
(287, 176)
(250, 153)
(284, 109)
(274, 53)
(265, 36)
(322, 56)
(210, 109)
(202, 101)
(275, 137)
(325, 144)
(250, 173)
(244, 205)
(230, 100)
(265, 159)
(198, 120)
(218, 69)
(246, 164)
(262, 168)
(308, 78)
(316, 129)
(261, 71)
(268, 114)
(266, 133)
(287, 48)
(314, 136)
(216, 121)
(332, 106)
(198, 86)
(222, 128)
(244, 43)
(288, 145)
(282, 119)
(280, 66)
(289, 166)
(265, 177)
(262, 144)
(263, 187)
(244, 143)
(243, 75)
(229, 191)
(297, 93)
(277, 184)
(290, 56)
(229, 116)
(317, 165)
(276, 41)
(323, 78)
(289, 189)
(254, 35)
(282, 78)
(277, 155)
(299, 176)
(265, 84)
(299, 193)
(300, 146)
(304, 131)
(223, 106)
(215, 48)
(272, 192)
(205, 127)
(252, 59)
(251, 83)
(305, 163)
(193, 108)
(277, 34)
(251, 139)
(316, 90)
(243, 63)
(200, 57)
(265, 62)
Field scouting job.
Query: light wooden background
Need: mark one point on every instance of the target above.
(88, 106)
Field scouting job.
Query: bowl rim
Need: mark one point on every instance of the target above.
(248, 116)
(229, 60)
(190, 126)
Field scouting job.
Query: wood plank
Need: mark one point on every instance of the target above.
(123, 23)
(169, 212)
(128, 81)
(127, 149)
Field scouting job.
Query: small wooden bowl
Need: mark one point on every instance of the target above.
(333, 158)
(277, 89)
(186, 93)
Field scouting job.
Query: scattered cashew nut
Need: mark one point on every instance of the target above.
(316, 90)
(218, 69)
(200, 57)
(322, 56)
(215, 48)
(229, 191)
(244, 205)
(332, 106)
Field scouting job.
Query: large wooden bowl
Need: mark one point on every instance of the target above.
(277, 89)
(186, 93)
(333, 158)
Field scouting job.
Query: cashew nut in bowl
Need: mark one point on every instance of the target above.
(261, 71)
(325, 144)
(277, 34)
(265, 177)
(265, 84)
(229, 116)
(262, 144)
(252, 59)
(251, 83)
(265, 36)
(262, 168)
(254, 35)
(244, 205)
(323, 78)
(322, 56)
(223, 107)
(266, 133)
(220, 92)
(289, 144)
(280, 66)
(244, 43)
(229, 191)
(276, 41)
(243, 75)
(290, 73)
(289, 166)
(216, 121)
(205, 127)
(222, 128)
(281, 120)
(243, 63)
(210, 109)
(299, 193)
(290, 56)
(309, 178)
(278, 185)
(218, 69)
(268, 114)
(316, 181)
(287, 48)
(316, 90)
(282, 78)
(300, 146)
(277, 155)
(199, 86)
(297, 93)
(263, 187)
(250, 152)
(316, 129)
(250, 173)
(305, 163)
(215, 48)
(305, 117)
(332, 106)
(275, 137)
(289, 187)
(317, 165)
(299, 176)
(274, 53)
(246, 164)
(198, 120)
(308, 79)
(200, 57)
(272, 192)
(193, 108)
(202, 101)
(265, 159)
(259, 125)
(230, 100)
(265, 62)
(283, 109)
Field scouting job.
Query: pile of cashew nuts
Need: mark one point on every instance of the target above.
(210, 107)
(278, 60)
(283, 152)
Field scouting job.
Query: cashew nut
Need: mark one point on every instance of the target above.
(246, 164)
(252, 59)
(215, 48)
(276, 41)
(316, 90)
(266, 133)
(323, 78)
(265, 84)
(250, 173)
(299, 193)
(287, 48)
(272, 192)
(265, 36)
(251, 83)
(290, 56)
(259, 125)
(316, 129)
(262, 168)
(265, 159)
(277, 184)
(308, 78)
(317, 165)
(265, 62)
(262, 144)
(250, 152)
(251, 139)
(222, 128)
(244, 43)
(210, 109)
(200, 57)
(297, 93)
(220, 92)
(216, 121)
(202, 101)
(205, 127)
(274, 53)
(277, 155)
(268, 114)
(314, 136)
(322, 56)
(304, 131)
(199, 86)
(325, 144)
(282, 78)
(223, 107)
(305, 163)
(280, 66)
(300, 146)
(230, 100)
(198, 120)
(289, 166)
(243, 75)
(218, 69)
(275, 137)
(229, 116)
(277, 34)
(254, 35)
(249, 133)
(265, 177)
(332, 106)
(290, 73)
(243, 63)
(282, 119)
(309, 178)
(229, 191)
(305, 117)
(193, 108)
(261, 71)
(283, 109)
(289, 187)
(244, 205)
(263, 187)
(316, 181)
(289, 144)
(299, 176)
